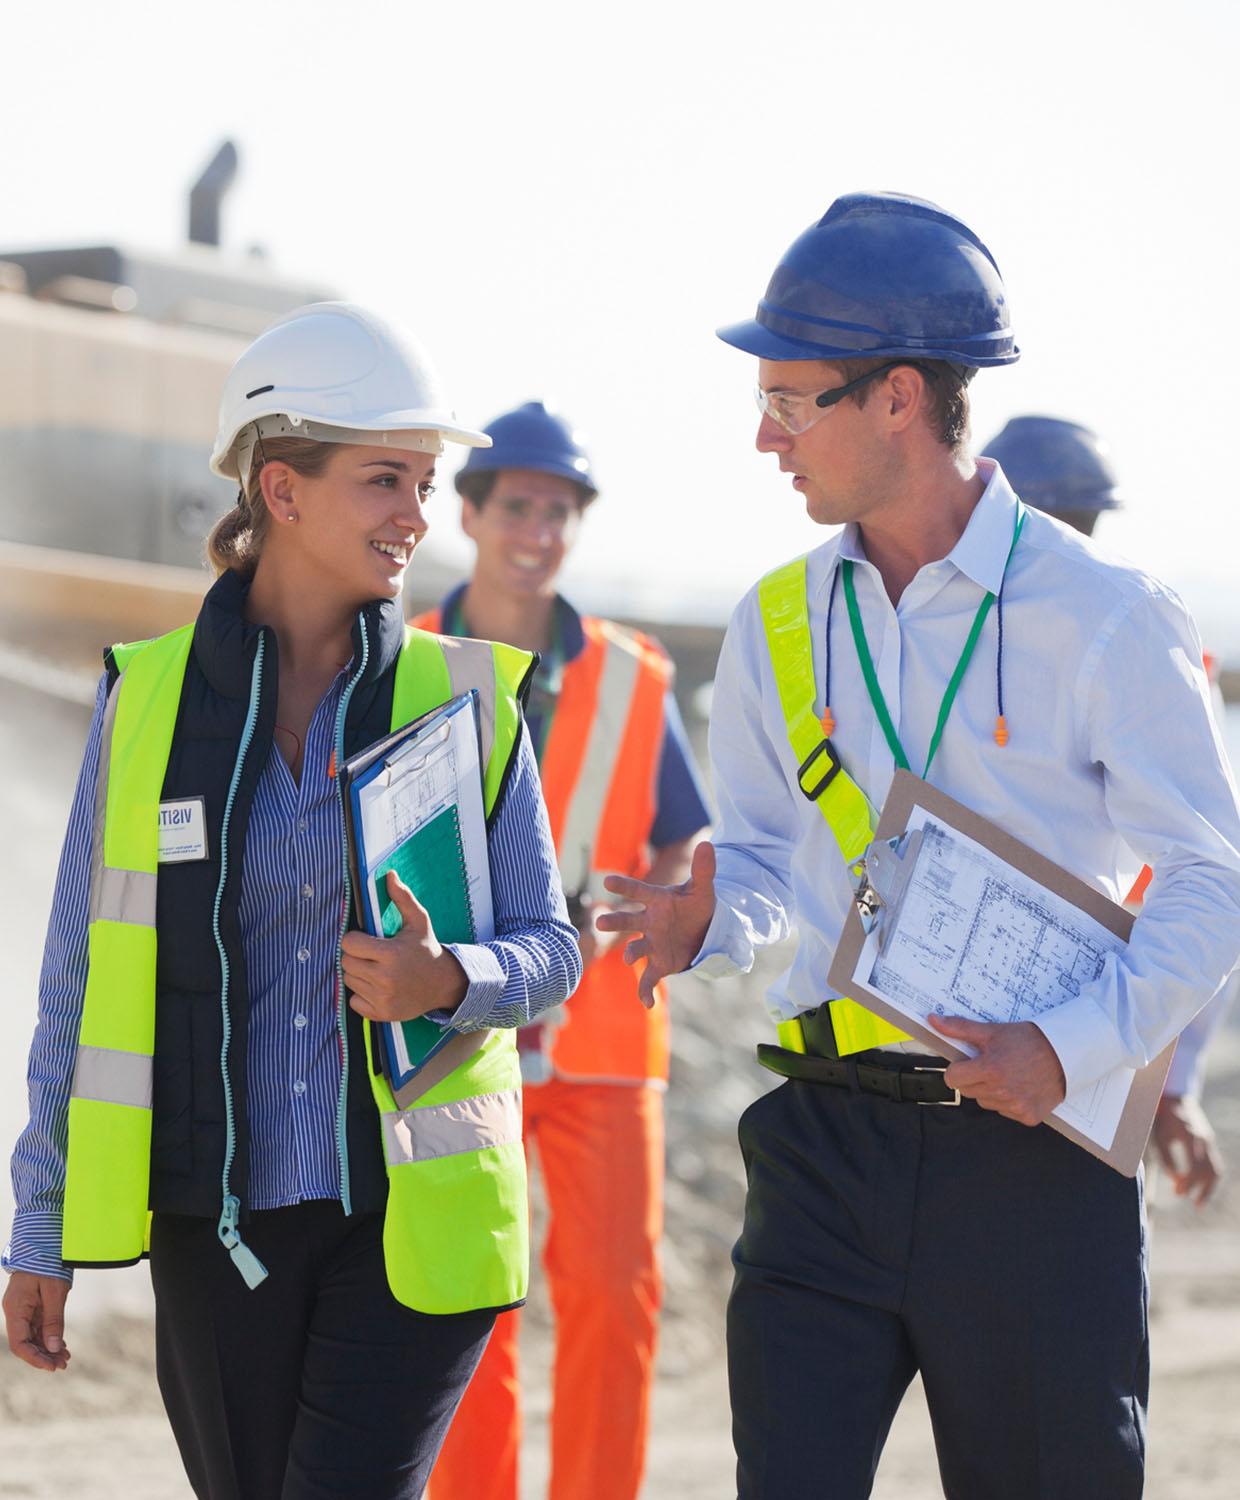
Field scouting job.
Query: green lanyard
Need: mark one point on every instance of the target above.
(949, 696)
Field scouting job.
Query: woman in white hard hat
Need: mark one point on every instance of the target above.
(326, 1265)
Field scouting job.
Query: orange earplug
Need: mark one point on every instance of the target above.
(828, 722)
(1001, 731)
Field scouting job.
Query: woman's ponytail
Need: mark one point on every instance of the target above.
(236, 539)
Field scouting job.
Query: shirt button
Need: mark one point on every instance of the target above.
(299, 1087)
(302, 825)
(299, 1021)
(302, 955)
(307, 891)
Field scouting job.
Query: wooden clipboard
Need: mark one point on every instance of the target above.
(909, 791)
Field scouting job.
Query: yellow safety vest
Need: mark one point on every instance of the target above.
(457, 1223)
(784, 607)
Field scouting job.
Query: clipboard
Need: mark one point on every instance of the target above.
(909, 792)
(414, 1055)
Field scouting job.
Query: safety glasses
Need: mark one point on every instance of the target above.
(797, 411)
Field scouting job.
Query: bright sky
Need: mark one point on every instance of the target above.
(565, 201)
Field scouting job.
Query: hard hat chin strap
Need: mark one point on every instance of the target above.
(414, 440)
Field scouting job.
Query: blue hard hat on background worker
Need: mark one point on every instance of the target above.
(1059, 467)
(533, 437)
(882, 274)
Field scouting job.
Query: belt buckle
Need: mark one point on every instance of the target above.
(942, 1103)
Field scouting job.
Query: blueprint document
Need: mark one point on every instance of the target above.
(423, 778)
(972, 936)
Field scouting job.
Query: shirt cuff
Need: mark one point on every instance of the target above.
(34, 1244)
(486, 984)
(727, 948)
(1084, 1040)
(1184, 1077)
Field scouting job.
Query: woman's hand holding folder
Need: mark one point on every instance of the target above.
(406, 975)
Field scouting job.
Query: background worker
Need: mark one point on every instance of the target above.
(886, 1231)
(1064, 469)
(622, 794)
(326, 1267)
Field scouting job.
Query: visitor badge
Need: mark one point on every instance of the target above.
(182, 831)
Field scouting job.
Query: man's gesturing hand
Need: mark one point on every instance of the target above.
(669, 921)
(1186, 1147)
(399, 977)
(34, 1316)
(1016, 1072)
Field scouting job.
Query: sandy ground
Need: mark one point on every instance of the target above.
(98, 1432)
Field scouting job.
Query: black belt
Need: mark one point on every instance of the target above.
(910, 1083)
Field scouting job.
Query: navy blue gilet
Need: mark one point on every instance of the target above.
(187, 1153)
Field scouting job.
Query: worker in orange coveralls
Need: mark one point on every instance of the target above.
(623, 795)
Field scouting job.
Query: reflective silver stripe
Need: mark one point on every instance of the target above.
(124, 896)
(476, 1124)
(113, 1077)
(585, 809)
(101, 797)
(471, 664)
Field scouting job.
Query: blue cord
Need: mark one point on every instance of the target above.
(826, 687)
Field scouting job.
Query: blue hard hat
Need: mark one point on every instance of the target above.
(882, 274)
(1055, 466)
(531, 437)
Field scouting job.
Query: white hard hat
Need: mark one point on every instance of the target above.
(337, 374)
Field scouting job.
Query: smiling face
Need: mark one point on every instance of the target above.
(357, 522)
(523, 531)
(844, 463)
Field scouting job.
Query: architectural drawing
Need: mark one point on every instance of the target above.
(972, 936)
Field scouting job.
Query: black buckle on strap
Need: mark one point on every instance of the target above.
(833, 769)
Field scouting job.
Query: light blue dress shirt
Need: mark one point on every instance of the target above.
(1114, 760)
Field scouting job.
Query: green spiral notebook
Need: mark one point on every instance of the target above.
(432, 864)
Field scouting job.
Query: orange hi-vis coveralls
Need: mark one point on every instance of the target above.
(596, 1123)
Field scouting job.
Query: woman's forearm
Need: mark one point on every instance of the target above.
(533, 962)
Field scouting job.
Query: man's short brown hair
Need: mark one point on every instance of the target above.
(947, 394)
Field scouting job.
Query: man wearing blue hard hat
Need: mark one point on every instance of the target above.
(1065, 470)
(904, 1215)
(623, 794)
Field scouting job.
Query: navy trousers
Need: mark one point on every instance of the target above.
(317, 1385)
(1005, 1264)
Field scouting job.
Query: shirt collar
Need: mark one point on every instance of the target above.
(570, 632)
(981, 553)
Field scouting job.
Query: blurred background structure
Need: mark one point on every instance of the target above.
(565, 204)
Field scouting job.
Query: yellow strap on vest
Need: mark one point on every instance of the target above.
(432, 668)
(784, 605)
(785, 618)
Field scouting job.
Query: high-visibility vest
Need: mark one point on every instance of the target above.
(784, 607)
(456, 1225)
(600, 781)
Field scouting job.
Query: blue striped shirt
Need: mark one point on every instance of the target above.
(291, 894)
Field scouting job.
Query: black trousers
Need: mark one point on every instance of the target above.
(318, 1383)
(1004, 1263)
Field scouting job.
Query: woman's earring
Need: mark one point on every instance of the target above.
(291, 516)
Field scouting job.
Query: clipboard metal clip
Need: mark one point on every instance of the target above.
(886, 869)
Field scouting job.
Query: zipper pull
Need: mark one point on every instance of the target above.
(252, 1270)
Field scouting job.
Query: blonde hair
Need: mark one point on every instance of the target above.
(236, 539)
